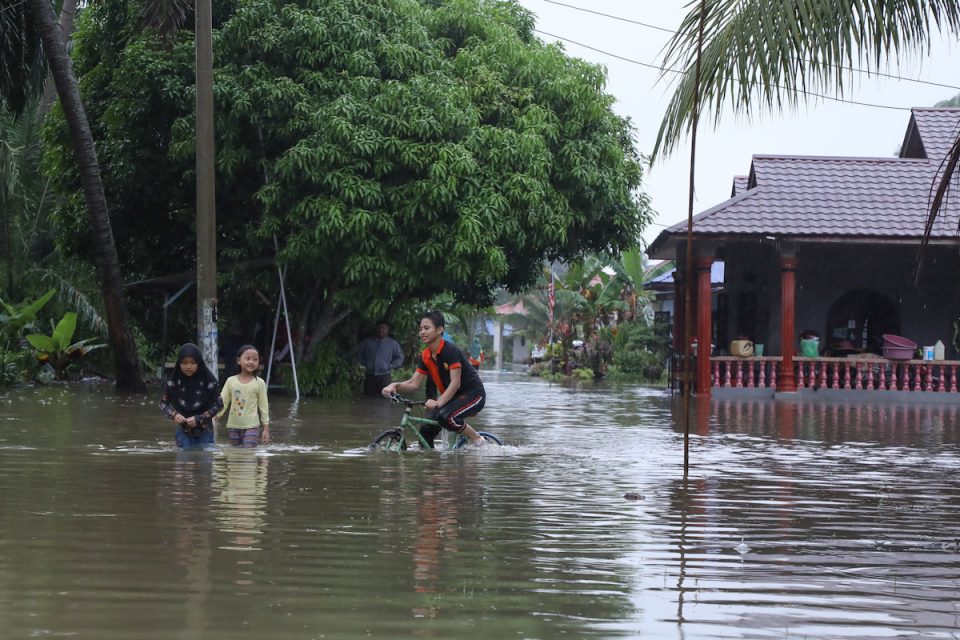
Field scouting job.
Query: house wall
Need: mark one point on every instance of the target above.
(752, 281)
(826, 271)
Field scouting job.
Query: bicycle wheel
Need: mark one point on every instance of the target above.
(389, 440)
(489, 437)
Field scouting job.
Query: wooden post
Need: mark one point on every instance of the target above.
(704, 324)
(788, 268)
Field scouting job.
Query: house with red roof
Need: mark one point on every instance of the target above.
(827, 247)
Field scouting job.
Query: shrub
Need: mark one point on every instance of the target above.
(331, 375)
(10, 369)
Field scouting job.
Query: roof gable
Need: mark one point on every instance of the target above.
(931, 133)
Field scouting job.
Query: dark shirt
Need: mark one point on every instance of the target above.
(380, 356)
(436, 367)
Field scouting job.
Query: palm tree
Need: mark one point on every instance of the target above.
(23, 26)
(774, 54)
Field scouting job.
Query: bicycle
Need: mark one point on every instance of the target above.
(396, 439)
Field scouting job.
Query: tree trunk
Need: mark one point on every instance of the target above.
(67, 14)
(126, 361)
(324, 324)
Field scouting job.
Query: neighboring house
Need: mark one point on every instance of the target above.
(520, 346)
(663, 287)
(828, 245)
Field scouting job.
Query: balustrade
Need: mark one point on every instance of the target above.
(855, 373)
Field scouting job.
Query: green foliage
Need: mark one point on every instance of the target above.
(10, 369)
(640, 351)
(399, 149)
(583, 373)
(952, 102)
(57, 350)
(331, 375)
(13, 320)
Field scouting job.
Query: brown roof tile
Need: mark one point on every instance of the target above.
(838, 196)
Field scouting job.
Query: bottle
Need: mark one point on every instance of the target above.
(938, 351)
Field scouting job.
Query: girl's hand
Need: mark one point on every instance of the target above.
(191, 422)
(265, 435)
(179, 419)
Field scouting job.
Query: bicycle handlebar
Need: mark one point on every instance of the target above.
(396, 397)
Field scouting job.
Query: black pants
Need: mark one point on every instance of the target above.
(451, 415)
(373, 385)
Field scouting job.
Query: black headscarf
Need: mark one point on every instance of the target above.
(192, 395)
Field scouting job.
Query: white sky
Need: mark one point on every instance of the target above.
(821, 128)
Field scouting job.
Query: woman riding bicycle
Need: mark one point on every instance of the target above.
(454, 389)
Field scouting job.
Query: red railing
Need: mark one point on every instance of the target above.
(859, 373)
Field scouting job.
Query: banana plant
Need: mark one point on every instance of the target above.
(13, 319)
(56, 349)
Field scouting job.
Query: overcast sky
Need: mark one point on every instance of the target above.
(822, 128)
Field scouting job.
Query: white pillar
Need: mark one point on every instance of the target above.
(498, 344)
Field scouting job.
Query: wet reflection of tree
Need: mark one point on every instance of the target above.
(239, 502)
(438, 529)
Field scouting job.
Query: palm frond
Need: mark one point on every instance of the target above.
(774, 54)
(166, 17)
(939, 190)
(86, 310)
(22, 63)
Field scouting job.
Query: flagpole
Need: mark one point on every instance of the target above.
(551, 301)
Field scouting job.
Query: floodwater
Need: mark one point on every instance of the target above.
(795, 521)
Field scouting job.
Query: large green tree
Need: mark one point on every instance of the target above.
(394, 149)
(774, 54)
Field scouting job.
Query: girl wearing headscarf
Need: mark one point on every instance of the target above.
(191, 398)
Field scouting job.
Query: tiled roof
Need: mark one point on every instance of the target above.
(739, 185)
(938, 129)
(814, 196)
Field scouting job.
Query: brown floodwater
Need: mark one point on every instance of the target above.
(795, 521)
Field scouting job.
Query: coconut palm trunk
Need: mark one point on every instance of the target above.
(126, 361)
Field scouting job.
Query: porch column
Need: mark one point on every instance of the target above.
(788, 271)
(678, 303)
(498, 344)
(704, 325)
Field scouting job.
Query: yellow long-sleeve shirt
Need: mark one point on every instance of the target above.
(246, 403)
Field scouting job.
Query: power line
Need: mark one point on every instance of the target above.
(672, 31)
(608, 15)
(671, 70)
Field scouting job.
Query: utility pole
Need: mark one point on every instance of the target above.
(206, 189)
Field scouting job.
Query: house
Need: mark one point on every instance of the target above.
(827, 246)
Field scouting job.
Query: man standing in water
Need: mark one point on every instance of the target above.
(454, 389)
(379, 355)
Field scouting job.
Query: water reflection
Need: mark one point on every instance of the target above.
(796, 520)
(190, 494)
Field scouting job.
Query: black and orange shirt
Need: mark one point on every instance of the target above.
(436, 367)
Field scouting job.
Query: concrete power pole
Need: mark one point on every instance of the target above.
(206, 190)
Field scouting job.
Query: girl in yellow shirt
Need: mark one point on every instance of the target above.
(245, 400)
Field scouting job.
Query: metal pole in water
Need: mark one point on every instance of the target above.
(704, 349)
